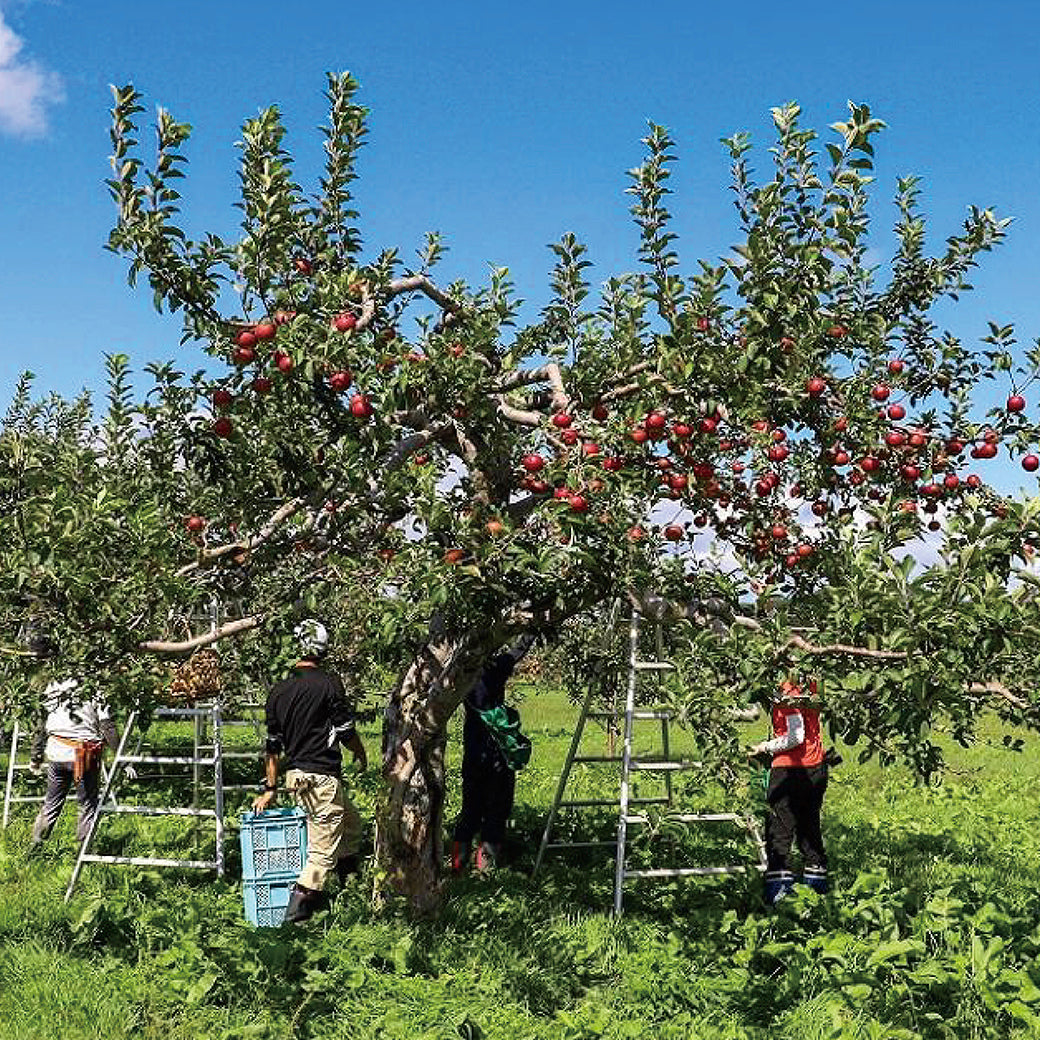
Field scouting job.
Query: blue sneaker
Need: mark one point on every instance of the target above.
(778, 883)
(815, 878)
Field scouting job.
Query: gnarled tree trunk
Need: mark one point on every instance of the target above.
(409, 847)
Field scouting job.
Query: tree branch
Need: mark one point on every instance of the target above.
(281, 514)
(159, 646)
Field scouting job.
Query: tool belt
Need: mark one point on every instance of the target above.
(88, 754)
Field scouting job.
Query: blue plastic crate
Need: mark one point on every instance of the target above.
(265, 901)
(274, 843)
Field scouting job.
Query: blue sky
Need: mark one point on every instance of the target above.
(501, 126)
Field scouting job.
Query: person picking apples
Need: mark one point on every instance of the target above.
(493, 751)
(797, 782)
(307, 721)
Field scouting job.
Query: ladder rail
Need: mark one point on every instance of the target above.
(10, 773)
(597, 683)
(626, 765)
(84, 848)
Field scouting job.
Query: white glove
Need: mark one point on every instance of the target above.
(129, 773)
(36, 768)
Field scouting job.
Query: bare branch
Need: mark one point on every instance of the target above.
(158, 646)
(998, 689)
(518, 415)
(281, 514)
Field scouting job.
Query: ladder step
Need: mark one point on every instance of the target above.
(689, 871)
(149, 861)
(591, 802)
(688, 818)
(183, 713)
(597, 758)
(158, 810)
(166, 760)
(647, 765)
(654, 666)
(618, 716)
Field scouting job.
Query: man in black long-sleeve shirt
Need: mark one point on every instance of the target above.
(307, 721)
(488, 783)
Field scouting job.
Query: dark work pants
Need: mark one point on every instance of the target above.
(795, 797)
(487, 801)
(59, 781)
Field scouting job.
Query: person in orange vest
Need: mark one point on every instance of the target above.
(797, 782)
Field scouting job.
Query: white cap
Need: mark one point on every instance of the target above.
(313, 637)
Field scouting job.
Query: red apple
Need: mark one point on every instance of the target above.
(345, 322)
(895, 366)
(673, 532)
(561, 420)
(837, 331)
(222, 398)
(1030, 463)
(880, 392)
(639, 435)
(282, 361)
(532, 462)
(655, 421)
(194, 524)
(243, 355)
(569, 437)
(599, 412)
(222, 427)
(360, 406)
(262, 385)
(1016, 403)
(896, 412)
(303, 266)
(246, 338)
(815, 386)
(265, 330)
(340, 381)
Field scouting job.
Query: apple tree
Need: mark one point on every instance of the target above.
(775, 447)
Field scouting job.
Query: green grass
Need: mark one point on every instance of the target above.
(933, 929)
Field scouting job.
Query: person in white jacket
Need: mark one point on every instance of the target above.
(71, 738)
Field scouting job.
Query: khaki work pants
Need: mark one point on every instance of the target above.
(333, 824)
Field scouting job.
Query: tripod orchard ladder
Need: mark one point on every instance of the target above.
(203, 756)
(630, 764)
(209, 756)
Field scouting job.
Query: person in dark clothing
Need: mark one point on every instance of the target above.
(488, 781)
(797, 783)
(307, 721)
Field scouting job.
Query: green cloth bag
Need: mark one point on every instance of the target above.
(504, 724)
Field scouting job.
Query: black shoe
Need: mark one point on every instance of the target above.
(304, 903)
(347, 867)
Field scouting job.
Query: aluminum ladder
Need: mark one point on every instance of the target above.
(204, 756)
(630, 764)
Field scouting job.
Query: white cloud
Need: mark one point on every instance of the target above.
(26, 88)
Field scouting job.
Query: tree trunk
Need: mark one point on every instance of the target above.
(409, 847)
